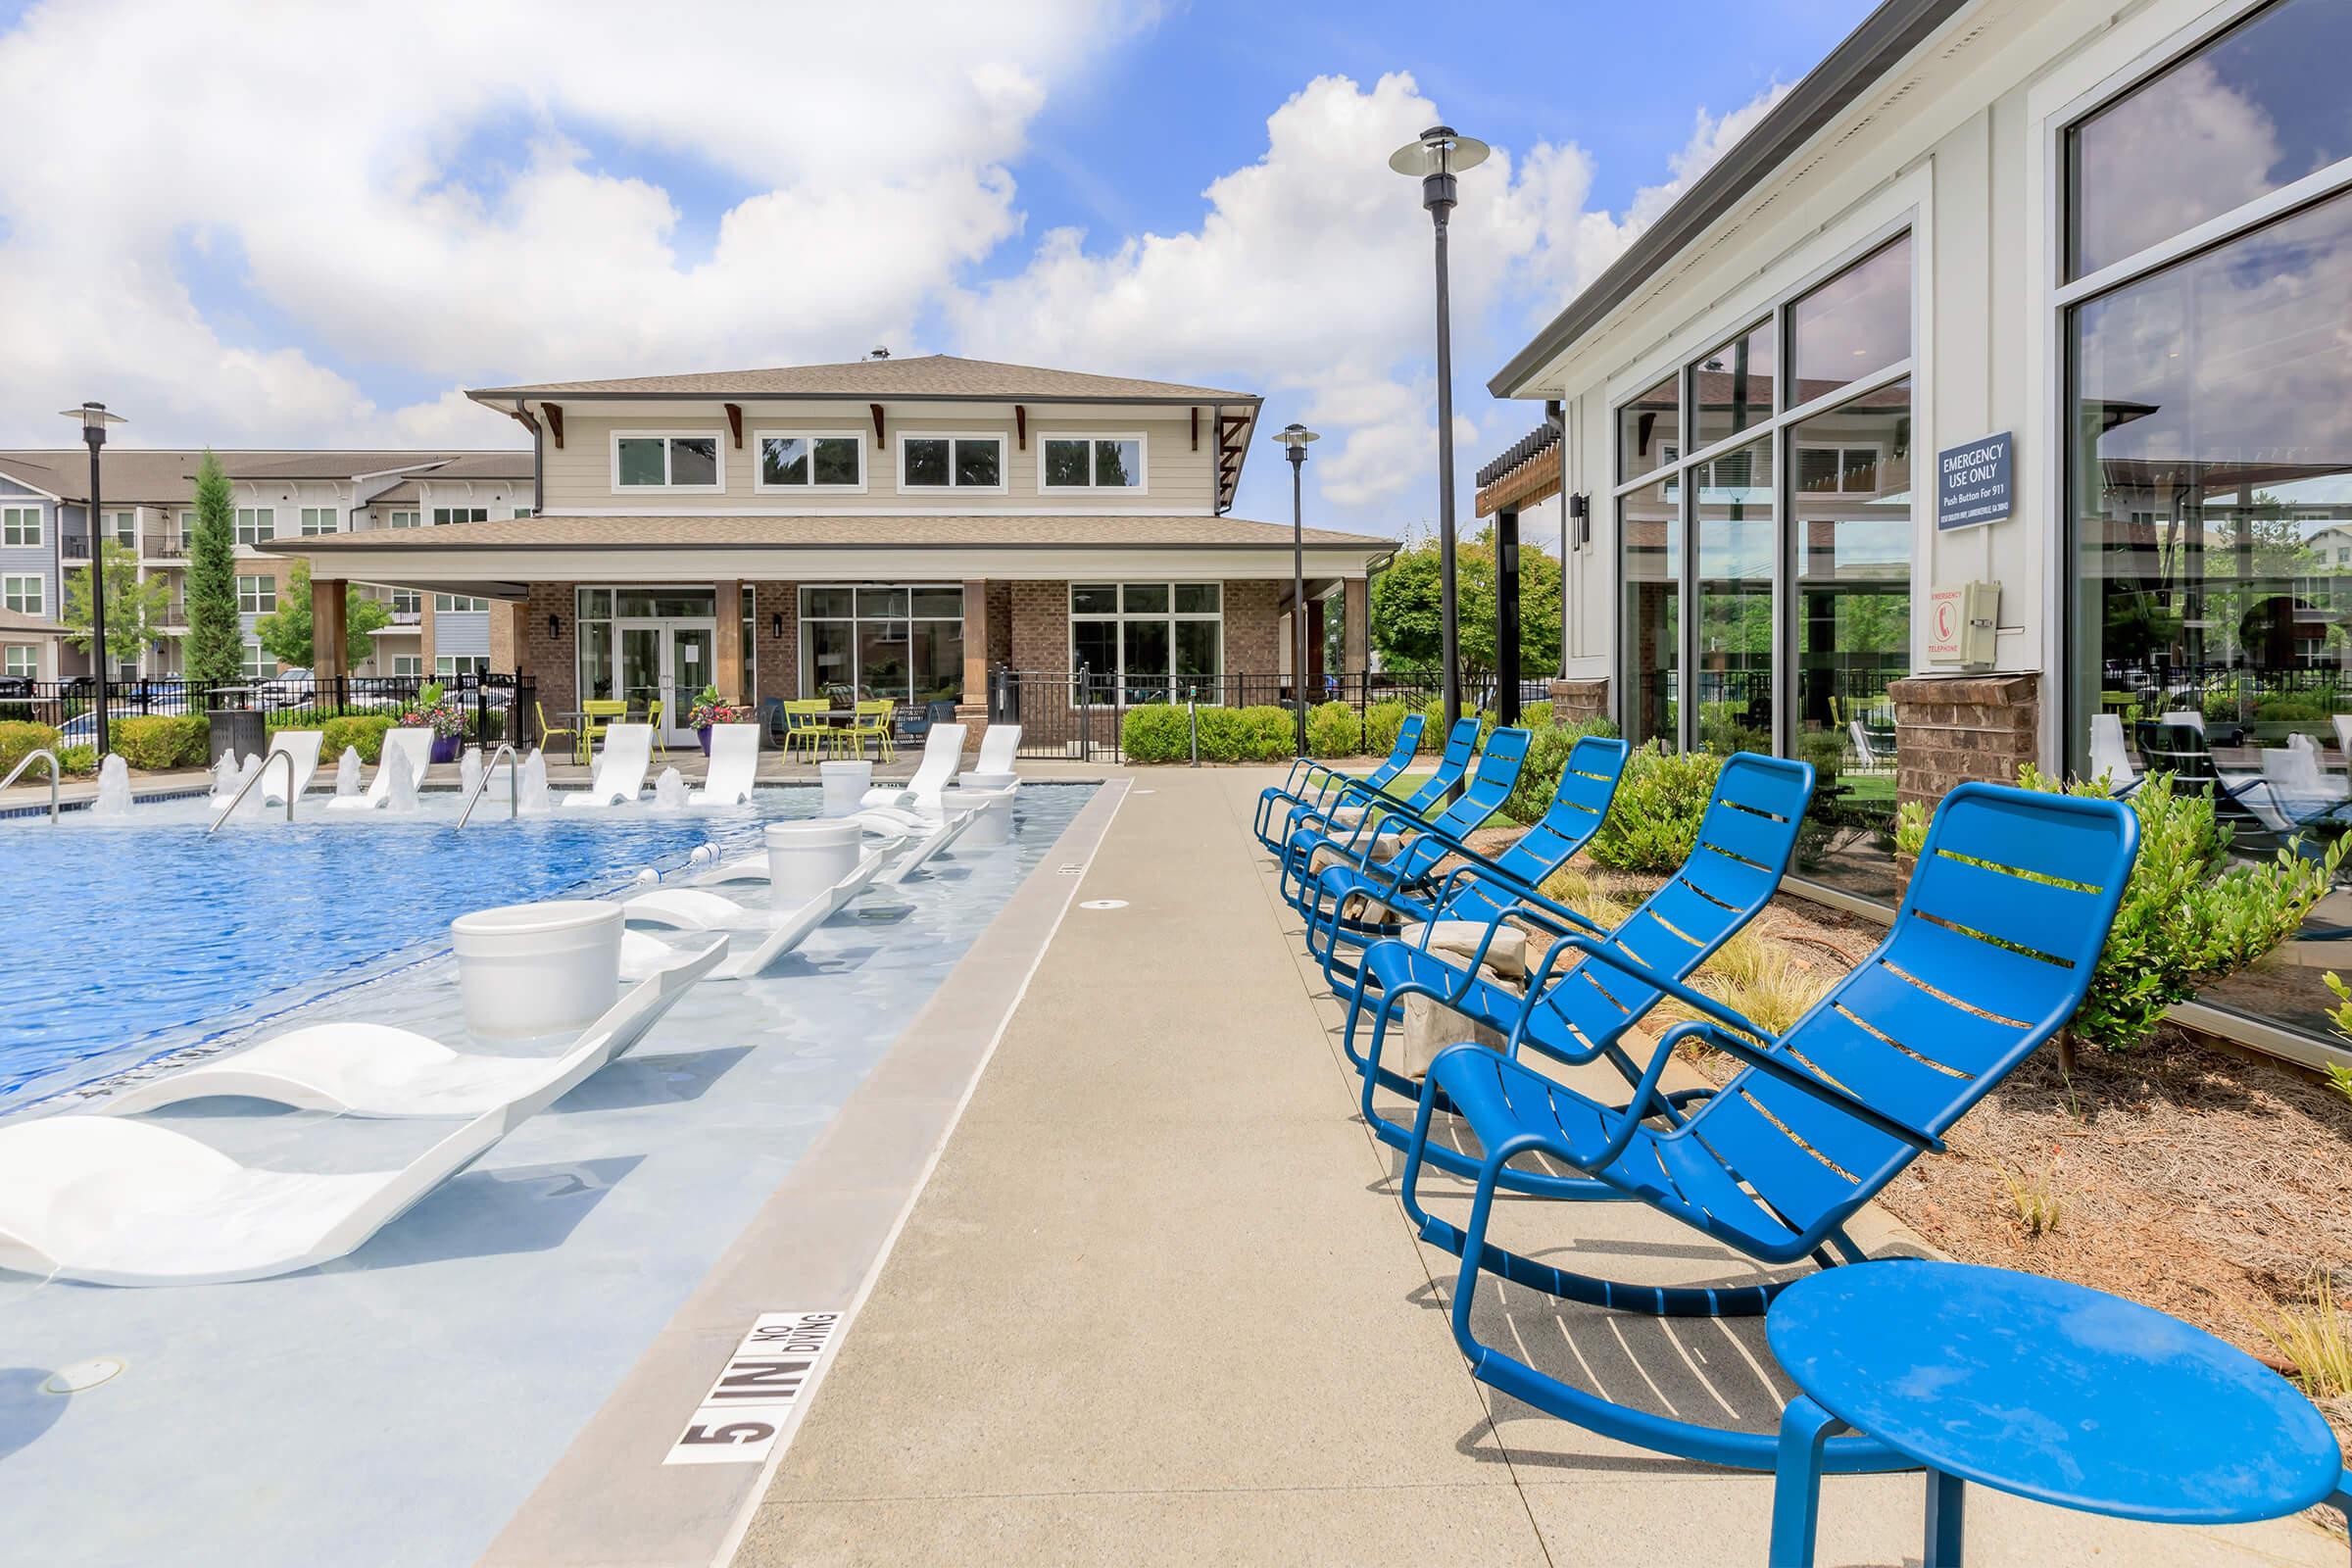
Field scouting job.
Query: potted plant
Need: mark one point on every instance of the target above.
(707, 710)
(434, 711)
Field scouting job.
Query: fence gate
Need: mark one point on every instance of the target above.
(1065, 715)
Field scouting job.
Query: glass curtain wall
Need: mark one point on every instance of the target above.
(1785, 521)
(2211, 461)
(902, 643)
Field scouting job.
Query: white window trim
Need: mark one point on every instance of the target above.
(719, 442)
(267, 585)
(1072, 615)
(393, 515)
(38, 601)
(1142, 447)
(330, 521)
(21, 653)
(236, 526)
(40, 526)
(761, 486)
(1003, 482)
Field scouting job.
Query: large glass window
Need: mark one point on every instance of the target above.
(2258, 108)
(257, 596)
(811, 461)
(1854, 324)
(1650, 524)
(668, 462)
(255, 525)
(959, 462)
(317, 521)
(1736, 542)
(905, 643)
(1090, 463)
(1161, 641)
(23, 594)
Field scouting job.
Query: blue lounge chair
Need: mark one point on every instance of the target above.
(1578, 1008)
(1410, 848)
(1989, 956)
(1354, 795)
(1311, 783)
(1364, 903)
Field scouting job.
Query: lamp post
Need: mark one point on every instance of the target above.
(94, 419)
(1436, 158)
(1294, 437)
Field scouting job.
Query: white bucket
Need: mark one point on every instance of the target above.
(845, 785)
(988, 781)
(535, 968)
(991, 826)
(806, 858)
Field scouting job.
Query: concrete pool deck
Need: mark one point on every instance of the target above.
(1158, 1302)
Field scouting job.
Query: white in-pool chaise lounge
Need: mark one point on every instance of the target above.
(734, 760)
(779, 933)
(375, 1070)
(619, 768)
(1000, 746)
(942, 748)
(415, 744)
(301, 747)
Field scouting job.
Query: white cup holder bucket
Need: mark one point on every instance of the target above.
(536, 968)
(806, 858)
(845, 785)
(992, 827)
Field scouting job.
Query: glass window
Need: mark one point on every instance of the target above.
(693, 460)
(979, 463)
(124, 526)
(1198, 598)
(19, 525)
(824, 461)
(23, 594)
(407, 602)
(411, 664)
(959, 463)
(397, 520)
(927, 461)
(1129, 633)
(1145, 597)
(317, 521)
(441, 515)
(783, 460)
(522, 512)
(460, 664)
(1650, 528)
(22, 662)
(1853, 628)
(688, 461)
(1095, 599)
(2259, 107)
(1731, 389)
(902, 643)
(1067, 465)
(255, 525)
(459, 604)
(1096, 462)
(257, 596)
(1737, 545)
(1649, 430)
(259, 666)
(1857, 323)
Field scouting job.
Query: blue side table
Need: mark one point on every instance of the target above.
(2038, 1387)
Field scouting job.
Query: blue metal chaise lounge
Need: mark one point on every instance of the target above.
(1314, 784)
(1410, 848)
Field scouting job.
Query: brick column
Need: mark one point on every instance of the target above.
(727, 651)
(552, 660)
(1575, 700)
(971, 711)
(506, 649)
(1949, 729)
(776, 628)
(1356, 627)
(327, 627)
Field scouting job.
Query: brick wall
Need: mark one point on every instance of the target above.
(1949, 729)
(550, 661)
(1575, 700)
(778, 656)
(1252, 628)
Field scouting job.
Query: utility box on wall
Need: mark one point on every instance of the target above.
(1961, 622)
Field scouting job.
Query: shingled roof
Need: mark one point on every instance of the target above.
(167, 475)
(856, 530)
(921, 378)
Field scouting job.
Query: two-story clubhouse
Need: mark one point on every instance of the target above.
(901, 527)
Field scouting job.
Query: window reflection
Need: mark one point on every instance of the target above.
(1650, 532)
(2260, 107)
(1731, 389)
(1856, 322)
(1650, 431)
(1736, 542)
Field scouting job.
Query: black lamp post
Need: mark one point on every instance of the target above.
(1294, 437)
(1435, 158)
(94, 419)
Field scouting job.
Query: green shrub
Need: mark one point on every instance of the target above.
(1382, 721)
(1333, 729)
(1224, 734)
(1548, 752)
(19, 739)
(1535, 715)
(2189, 916)
(1653, 823)
(1269, 734)
(160, 742)
(2293, 709)
(1158, 733)
(363, 731)
(78, 761)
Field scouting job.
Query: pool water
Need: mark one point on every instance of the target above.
(141, 935)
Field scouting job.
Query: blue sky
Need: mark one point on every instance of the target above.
(1190, 191)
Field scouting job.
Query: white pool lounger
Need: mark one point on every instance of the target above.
(1000, 746)
(619, 770)
(414, 744)
(375, 1070)
(734, 760)
(645, 953)
(301, 747)
(942, 748)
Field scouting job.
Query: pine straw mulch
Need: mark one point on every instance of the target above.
(2204, 1181)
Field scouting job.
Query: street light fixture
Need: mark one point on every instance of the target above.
(1294, 437)
(1434, 158)
(94, 419)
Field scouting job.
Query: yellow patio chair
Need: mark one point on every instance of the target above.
(873, 723)
(652, 716)
(595, 714)
(548, 732)
(806, 725)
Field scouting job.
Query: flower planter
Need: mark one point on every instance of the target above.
(446, 747)
(535, 968)
(703, 733)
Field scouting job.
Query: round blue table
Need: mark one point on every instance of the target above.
(2040, 1387)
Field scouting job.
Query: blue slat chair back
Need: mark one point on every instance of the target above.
(1989, 956)
(1745, 843)
(1461, 742)
(1496, 776)
(1588, 783)
(1401, 755)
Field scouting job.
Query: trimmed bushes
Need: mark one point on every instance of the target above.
(77, 761)
(159, 742)
(1382, 721)
(364, 731)
(1333, 729)
(1653, 825)
(1161, 732)
(18, 738)
(1158, 733)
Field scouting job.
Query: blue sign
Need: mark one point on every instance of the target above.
(1972, 481)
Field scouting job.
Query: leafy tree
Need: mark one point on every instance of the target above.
(214, 647)
(134, 610)
(286, 630)
(1405, 625)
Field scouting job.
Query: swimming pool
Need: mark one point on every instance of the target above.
(142, 935)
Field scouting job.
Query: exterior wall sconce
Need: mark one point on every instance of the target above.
(775, 625)
(555, 626)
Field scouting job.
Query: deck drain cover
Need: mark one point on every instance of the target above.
(1072, 870)
(1104, 903)
(81, 1375)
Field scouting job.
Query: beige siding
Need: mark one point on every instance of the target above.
(1177, 479)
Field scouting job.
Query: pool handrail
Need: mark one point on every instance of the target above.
(246, 788)
(40, 753)
(506, 748)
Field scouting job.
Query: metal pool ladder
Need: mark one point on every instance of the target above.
(246, 788)
(513, 784)
(38, 754)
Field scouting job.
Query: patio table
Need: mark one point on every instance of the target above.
(2040, 1387)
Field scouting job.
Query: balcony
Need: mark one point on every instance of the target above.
(163, 547)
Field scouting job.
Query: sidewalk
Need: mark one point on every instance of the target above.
(1159, 1303)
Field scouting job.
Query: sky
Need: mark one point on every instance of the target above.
(311, 225)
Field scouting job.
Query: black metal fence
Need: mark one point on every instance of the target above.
(496, 706)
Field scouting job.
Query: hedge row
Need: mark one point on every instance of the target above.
(1163, 732)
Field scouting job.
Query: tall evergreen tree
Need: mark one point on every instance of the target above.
(215, 649)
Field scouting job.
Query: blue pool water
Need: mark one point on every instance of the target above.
(147, 936)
